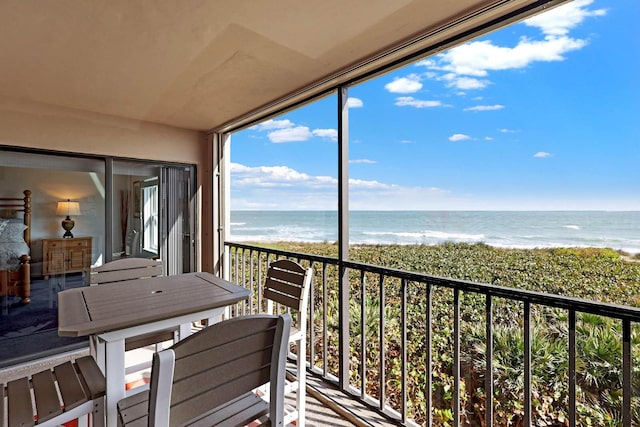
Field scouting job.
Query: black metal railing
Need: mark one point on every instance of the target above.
(417, 341)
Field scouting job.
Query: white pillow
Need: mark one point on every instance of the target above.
(12, 231)
(10, 254)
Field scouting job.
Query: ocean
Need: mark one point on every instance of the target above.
(504, 229)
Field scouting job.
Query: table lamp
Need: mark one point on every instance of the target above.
(69, 208)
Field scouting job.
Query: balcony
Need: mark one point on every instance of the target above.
(416, 349)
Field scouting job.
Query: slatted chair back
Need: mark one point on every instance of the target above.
(288, 284)
(35, 400)
(209, 377)
(126, 269)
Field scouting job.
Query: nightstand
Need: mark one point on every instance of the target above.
(62, 256)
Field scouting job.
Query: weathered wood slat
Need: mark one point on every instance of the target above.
(2, 410)
(246, 407)
(281, 298)
(287, 288)
(129, 274)
(127, 263)
(126, 269)
(149, 339)
(287, 275)
(93, 378)
(134, 410)
(70, 387)
(46, 396)
(19, 409)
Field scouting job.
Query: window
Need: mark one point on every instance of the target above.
(150, 216)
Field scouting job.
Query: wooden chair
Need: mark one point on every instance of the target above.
(130, 269)
(208, 378)
(287, 284)
(81, 386)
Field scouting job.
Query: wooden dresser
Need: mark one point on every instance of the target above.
(61, 256)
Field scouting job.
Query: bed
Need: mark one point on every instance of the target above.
(15, 243)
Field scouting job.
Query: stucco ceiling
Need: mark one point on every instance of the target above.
(201, 64)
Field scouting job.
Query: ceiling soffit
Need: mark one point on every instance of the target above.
(220, 65)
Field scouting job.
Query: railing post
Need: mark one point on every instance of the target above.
(403, 323)
(527, 365)
(626, 373)
(343, 237)
(429, 356)
(572, 368)
(325, 332)
(488, 354)
(363, 334)
(383, 353)
(456, 357)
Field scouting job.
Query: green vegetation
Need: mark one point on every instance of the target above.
(595, 274)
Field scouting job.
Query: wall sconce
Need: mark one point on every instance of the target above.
(69, 208)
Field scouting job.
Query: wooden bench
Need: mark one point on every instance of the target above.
(57, 395)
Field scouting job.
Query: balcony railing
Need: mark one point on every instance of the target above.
(426, 350)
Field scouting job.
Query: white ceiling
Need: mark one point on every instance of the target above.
(202, 64)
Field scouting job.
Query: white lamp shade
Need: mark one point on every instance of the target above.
(68, 208)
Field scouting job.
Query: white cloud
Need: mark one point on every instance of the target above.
(542, 154)
(274, 177)
(503, 130)
(459, 137)
(407, 141)
(478, 58)
(292, 134)
(354, 102)
(485, 108)
(463, 67)
(488, 138)
(559, 21)
(273, 124)
(282, 187)
(408, 84)
(277, 177)
(366, 161)
(266, 176)
(287, 131)
(331, 134)
(410, 101)
(358, 184)
(463, 83)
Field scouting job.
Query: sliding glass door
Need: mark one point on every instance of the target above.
(84, 211)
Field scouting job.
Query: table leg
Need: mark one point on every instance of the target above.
(184, 331)
(114, 373)
(97, 350)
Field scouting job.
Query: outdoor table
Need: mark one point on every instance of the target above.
(116, 311)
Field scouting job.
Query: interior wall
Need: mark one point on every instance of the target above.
(39, 126)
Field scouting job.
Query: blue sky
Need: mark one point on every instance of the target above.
(542, 115)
